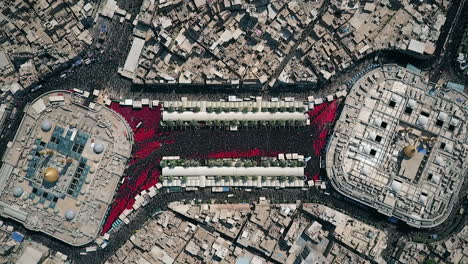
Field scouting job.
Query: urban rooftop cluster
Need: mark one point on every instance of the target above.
(268, 43)
(256, 233)
(350, 30)
(38, 37)
(450, 250)
(18, 248)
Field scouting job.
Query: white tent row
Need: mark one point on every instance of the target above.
(233, 171)
(259, 104)
(202, 182)
(223, 116)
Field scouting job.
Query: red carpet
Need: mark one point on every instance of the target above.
(146, 141)
(322, 119)
(144, 171)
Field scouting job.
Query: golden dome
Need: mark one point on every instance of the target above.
(409, 151)
(51, 175)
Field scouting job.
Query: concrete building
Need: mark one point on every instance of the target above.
(59, 174)
(400, 146)
(417, 46)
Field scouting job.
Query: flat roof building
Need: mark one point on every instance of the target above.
(417, 46)
(131, 63)
(400, 146)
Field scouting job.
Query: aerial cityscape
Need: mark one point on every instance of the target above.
(233, 131)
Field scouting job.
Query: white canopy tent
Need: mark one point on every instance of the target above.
(230, 116)
(233, 171)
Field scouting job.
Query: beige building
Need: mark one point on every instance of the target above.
(59, 174)
(400, 146)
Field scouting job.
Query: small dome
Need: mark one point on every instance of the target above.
(448, 148)
(98, 148)
(422, 121)
(367, 149)
(439, 161)
(46, 125)
(412, 103)
(51, 175)
(409, 151)
(69, 214)
(423, 199)
(396, 186)
(366, 171)
(396, 98)
(436, 179)
(18, 191)
(454, 121)
(442, 116)
(378, 122)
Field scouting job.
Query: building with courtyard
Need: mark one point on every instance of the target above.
(60, 172)
(401, 146)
